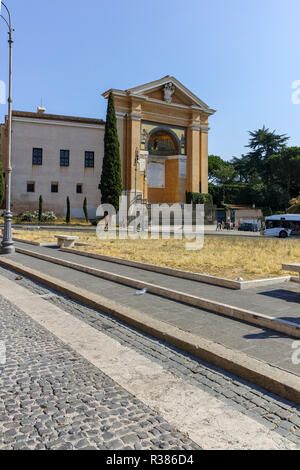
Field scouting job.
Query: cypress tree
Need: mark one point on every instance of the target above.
(111, 178)
(40, 208)
(68, 214)
(86, 215)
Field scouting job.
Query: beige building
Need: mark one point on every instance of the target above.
(244, 214)
(163, 134)
(55, 157)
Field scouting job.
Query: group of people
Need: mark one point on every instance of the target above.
(225, 225)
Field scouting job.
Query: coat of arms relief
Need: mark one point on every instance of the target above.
(169, 90)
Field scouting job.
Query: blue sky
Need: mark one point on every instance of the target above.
(239, 56)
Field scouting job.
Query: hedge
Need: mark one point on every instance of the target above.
(198, 198)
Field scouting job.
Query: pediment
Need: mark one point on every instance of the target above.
(177, 97)
(169, 90)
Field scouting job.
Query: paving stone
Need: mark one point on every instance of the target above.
(116, 444)
(107, 436)
(283, 414)
(295, 420)
(64, 380)
(282, 431)
(273, 418)
(130, 439)
(10, 432)
(286, 425)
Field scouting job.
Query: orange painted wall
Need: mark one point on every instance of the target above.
(170, 193)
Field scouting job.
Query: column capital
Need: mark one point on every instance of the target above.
(120, 115)
(134, 117)
(195, 127)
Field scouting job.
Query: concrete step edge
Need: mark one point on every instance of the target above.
(271, 378)
(258, 319)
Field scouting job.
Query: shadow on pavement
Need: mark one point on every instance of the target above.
(283, 294)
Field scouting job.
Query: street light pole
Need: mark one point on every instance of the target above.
(136, 161)
(7, 245)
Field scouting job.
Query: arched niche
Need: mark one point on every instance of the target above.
(163, 143)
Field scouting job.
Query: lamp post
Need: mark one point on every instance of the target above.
(136, 161)
(7, 245)
(144, 184)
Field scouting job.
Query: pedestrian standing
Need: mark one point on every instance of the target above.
(106, 220)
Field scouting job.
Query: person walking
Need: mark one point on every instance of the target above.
(106, 221)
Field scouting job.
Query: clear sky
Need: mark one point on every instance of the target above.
(239, 56)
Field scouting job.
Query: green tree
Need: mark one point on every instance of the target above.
(284, 169)
(40, 208)
(244, 168)
(276, 198)
(256, 191)
(219, 171)
(271, 170)
(264, 143)
(111, 178)
(68, 214)
(294, 205)
(86, 215)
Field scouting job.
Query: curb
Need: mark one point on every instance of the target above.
(205, 278)
(258, 319)
(160, 269)
(29, 242)
(271, 378)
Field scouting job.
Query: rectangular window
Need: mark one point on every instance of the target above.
(79, 189)
(65, 158)
(30, 187)
(89, 159)
(37, 156)
(54, 187)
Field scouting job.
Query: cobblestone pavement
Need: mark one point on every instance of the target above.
(52, 398)
(272, 411)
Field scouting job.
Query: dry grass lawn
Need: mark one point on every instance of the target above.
(229, 257)
(58, 221)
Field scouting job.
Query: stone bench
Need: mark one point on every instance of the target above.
(292, 267)
(66, 241)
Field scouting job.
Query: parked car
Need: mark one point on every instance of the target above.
(248, 228)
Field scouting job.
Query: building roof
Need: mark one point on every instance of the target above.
(239, 207)
(57, 117)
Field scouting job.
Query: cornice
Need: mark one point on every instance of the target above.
(57, 123)
(143, 98)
